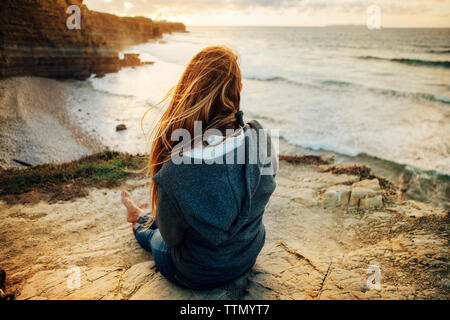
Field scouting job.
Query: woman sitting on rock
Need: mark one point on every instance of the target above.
(209, 191)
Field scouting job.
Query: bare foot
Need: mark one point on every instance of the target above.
(133, 211)
(144, 206)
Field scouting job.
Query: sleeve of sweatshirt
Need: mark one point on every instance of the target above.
(169, 219)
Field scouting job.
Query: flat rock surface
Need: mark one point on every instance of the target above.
(84, 249)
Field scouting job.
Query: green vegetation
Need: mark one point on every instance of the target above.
(105, 169)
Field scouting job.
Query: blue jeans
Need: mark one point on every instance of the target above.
(152, 241)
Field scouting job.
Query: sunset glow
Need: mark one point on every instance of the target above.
(395, 13)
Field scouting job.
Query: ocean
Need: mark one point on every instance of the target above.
(381, 93)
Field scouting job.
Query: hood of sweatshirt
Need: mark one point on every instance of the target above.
(214, 186)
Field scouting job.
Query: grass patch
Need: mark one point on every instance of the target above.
(69, 180)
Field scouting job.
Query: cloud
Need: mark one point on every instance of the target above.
(173, 8)
(184, 6)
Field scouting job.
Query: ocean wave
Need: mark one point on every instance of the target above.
(96, 86)
(112, 93)
(279, 79)
(416, 95)
(439, 51)
(412, 62)
(269, 79)
(355, 153)
(392, 93)
(318, 145)
(339, 83)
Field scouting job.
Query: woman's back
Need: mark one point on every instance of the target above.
(210, 211)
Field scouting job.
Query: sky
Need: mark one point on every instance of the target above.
(393, 13)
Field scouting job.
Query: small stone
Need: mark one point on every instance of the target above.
(372, 184)
(336, 196)
(121, 127)
(366, 194)
(371, 203)
(358, 194)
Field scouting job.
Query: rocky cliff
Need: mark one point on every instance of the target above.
(35, 40)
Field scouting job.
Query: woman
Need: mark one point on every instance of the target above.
(207, 228)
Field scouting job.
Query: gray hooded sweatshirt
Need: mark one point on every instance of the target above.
(210, 214)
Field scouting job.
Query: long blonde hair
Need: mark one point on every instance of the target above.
(208, 91)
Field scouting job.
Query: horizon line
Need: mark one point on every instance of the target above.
(306, 26)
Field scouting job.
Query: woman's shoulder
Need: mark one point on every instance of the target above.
(255, 124)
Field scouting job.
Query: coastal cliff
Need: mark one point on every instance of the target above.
(35, 39)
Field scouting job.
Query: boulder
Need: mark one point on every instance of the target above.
(366, 194)
(336, 196)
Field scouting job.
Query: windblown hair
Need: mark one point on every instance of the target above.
(208, 91)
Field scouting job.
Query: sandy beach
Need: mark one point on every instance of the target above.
(36, 125)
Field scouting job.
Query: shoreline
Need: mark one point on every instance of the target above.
(30, 106)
